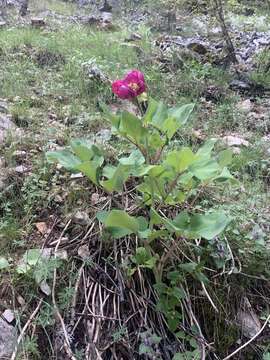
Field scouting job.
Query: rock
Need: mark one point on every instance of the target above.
(231, 140)
(94, 73)
(84, 252)
(42, 227)
(248, 320)
(106, 17)
(46, 253)
(240, 85)
(103, 135)
(7, 127)
(197, 47)
(236, 150)
(2, 24)
(245, 106)
(106, 7)
(3, 105)
(81, 218)
(21, 169)
(133, 37)
(8, 315)
(19, 154)
(38, 22)
(45, 288)
(8, 339)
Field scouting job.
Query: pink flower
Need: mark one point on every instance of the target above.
(131, 86)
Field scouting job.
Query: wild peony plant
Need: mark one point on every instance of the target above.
(166, 181)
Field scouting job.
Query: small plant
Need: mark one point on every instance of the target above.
(165, 181)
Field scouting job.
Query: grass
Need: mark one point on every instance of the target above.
(55, 101)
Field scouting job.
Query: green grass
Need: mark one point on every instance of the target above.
(53, 103)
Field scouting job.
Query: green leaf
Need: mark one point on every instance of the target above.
(135, 159)
(225, 157)
(82, 148)
(64, 157)
(90, 169)
(32, 256)
(3, 263)
(204, 151)
(160, 115)
(225, 175)
(114, 119)
(177, 117)
(132, 126)
(117, 178)
(210, 225)
(205, 169)
(207, 226)
(180, 159)
(143, 258)
(119, 223)
(121, 219)
(151, 110)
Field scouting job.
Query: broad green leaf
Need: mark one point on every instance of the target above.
(82, 148)
(115, 232)
(132, 126)
(119, 219)
(160, 115)
(3, 263)
(204, 151)
(225, 157)
(23, 268)
(117, 178)
(225, 175)
(209, 225)
(180, 159)
(151, 109)
(64, 157)
(143, 258)
(177, 117)
(32, 256)
(135, 159)
(114, 119)
(205, 169)
(189, 267)
(90, 169)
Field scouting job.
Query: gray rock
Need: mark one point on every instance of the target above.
(38, 22)
(7, 127)
(81, 218)
(8, 339)
(3, 103)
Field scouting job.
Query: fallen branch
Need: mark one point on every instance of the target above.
(32, 316)
(249, 341)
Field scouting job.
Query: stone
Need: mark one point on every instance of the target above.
(84, 252)
(2, 24)
(6, 127)
(106, 7)
(231, 140)
(45, 288)
(197, 47)
(21, 169)
(38, 22)
(81, 218)
(42, 227)
(133, 37)
(240, 85)
(8, 315)
(8, 339)
(245, 106)
(3, 105)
